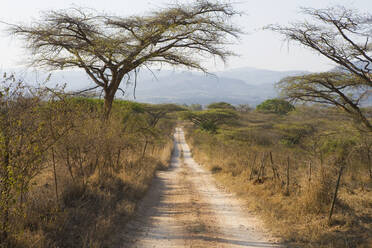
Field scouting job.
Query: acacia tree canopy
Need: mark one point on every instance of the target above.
(159, 111)
(221, 105)
(343, 36)
(209, 120)
(343, 90)
(112, 48)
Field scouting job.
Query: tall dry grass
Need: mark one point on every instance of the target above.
(296, 209)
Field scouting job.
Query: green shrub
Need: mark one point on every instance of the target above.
(277, 106)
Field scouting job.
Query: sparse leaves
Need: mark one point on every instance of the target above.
(340, 34)
(343, 90)
(343, 36)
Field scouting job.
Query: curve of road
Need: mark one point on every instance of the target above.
(185, 208)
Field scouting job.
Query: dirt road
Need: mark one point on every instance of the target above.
(185, 208)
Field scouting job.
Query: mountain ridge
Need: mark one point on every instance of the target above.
(246, 85)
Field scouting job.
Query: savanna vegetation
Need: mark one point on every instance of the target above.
(68, 177)
(309, 173)
(307, 168)
(341, 35)
(72, 168)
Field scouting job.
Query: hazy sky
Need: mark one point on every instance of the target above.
(261, 49)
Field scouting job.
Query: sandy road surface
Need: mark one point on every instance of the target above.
(185, 208)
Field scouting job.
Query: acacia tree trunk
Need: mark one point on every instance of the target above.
(109, 98)
(111, 90)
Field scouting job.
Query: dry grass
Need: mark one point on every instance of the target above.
(300, 218)
(89, 215)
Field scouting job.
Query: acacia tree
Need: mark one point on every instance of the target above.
(221, 105)
(153, 114)
(112, 48)
(210, 120)
(343, 90)
(343, 36)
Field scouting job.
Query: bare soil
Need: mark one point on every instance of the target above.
(186, 208)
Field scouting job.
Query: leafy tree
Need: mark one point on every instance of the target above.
(209, 120)
(221, 105)
(343, 36)
(277, 106)
(112, 48)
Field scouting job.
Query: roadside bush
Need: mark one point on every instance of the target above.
(68, 178)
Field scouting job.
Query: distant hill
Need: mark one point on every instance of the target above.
(236, 86)
(256, 76)
(191, 87)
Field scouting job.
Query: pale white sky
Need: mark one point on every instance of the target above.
(260, 49)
